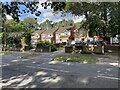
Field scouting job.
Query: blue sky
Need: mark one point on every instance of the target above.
(47, 14)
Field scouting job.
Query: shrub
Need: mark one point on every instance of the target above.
(46, 44)
(41, 43)
(53, 47)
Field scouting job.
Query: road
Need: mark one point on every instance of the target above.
(39, 70)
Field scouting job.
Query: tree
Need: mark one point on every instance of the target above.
(30, 23)
(12, 8)
(78, 24)
(46, 24)
(13, 26)
(96, 13)
(105, 11)
(64, 23)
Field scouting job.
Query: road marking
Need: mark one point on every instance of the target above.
(108, 77)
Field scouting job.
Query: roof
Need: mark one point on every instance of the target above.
(39, 31)
(71, 27)
(61, 29)
(50, 31)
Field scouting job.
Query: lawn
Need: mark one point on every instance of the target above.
(75, 59)
(4, 53)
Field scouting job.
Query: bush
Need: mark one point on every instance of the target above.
(42, 43)
(46, 44)
(53, 47)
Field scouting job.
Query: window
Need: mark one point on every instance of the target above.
(65, 33)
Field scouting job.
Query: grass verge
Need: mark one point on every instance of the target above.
(5, 53)
(75, 59)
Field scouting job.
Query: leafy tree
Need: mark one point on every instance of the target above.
(64, 23)
(12, 8)
(47, 24)
(78, 24)
(13, 26)
(30, 23)
(100, 16)
(9, 27)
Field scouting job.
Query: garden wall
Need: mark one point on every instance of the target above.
(43, 49)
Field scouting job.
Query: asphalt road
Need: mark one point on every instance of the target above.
(38, 70)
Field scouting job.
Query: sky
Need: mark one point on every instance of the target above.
(47, 14)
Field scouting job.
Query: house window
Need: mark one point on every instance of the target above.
(65, 33)
(49, 35)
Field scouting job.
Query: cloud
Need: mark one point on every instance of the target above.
(47, 14)
(79, 18)
(8, 17)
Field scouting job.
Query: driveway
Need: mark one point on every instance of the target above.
(38, 70)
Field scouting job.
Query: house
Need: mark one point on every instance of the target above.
(114, 40)
(49, 35)
(36, 36)
(81, 33)
(64, 34)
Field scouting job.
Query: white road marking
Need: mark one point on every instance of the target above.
(108, 77)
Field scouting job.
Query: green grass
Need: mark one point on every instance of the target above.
(4, 53)
(75, 59)
(60, 48)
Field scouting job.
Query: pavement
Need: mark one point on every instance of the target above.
(39, 70)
